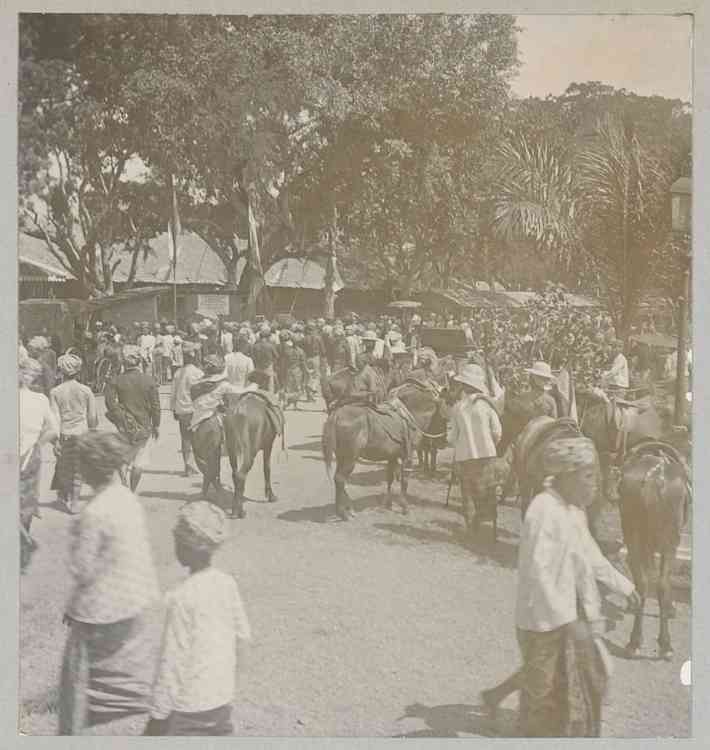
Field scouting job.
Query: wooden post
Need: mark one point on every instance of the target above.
(681, 386)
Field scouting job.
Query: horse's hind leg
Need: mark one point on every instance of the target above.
(665, 606)
(343, 504)
(403, 488)
(639, 575)
(270, 496)
(391, 473)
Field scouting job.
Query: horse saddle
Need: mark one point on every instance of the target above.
(273, 410)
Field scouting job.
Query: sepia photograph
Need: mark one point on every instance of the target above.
(355, 375)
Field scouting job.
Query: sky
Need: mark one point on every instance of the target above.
(645, 54)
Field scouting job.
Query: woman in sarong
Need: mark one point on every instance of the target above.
(38, 426)
(107, 665)
(75, 407)
(558, 615)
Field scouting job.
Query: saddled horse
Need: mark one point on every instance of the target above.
(654, 496)
(615, 426)
(338, 387)
(248, 423)
(251, 424)
(387, 432)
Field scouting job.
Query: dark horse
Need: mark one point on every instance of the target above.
(654, 494)
(249, 424)
(615, 427)
(338, 387)
(388, 432)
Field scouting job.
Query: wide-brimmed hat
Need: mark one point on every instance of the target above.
(69, 364)
(568, 454)
(369, 336)
(541, 370)
(474, 377)
(201, 526)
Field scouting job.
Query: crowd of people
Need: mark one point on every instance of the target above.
(565, 665)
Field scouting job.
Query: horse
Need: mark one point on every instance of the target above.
(251, 423)
(654, 495)
(387, 432)
(339, 385)
(616, 426)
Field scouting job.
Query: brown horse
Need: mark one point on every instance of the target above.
(388, 432)
(338, 387)
(654, 496)
(251, 423)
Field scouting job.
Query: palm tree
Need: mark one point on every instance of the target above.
(601, 207)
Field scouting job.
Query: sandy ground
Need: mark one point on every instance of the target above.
(387, 625)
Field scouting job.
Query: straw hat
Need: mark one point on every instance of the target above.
(474, 377)
(540, 370)
(369, 336)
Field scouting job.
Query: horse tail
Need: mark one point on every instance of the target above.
(329, 444)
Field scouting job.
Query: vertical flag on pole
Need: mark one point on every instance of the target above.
(174, 230)
(257, 275)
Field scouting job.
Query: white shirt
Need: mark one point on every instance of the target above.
(36, 420)
(559, 561)
(474, 430)
(147, 344)
(111, 559)
(619, 373)
(198, 660)
(238, 368)
(227, 342)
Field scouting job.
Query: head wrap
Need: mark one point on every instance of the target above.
(38, 344)
(69, 364)
(103, 452)
(29, 370)
(131, 355)
(213, 364)
(201, 526)
(568, 454)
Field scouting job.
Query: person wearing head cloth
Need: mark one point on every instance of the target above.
(187, 375)
(538, 401)
(205, 635)
(38, 426)
(133, 405)
(75, 408)
(558, 611)
(314, 352)
(39, 348)
(474, 432)
(265, 355)
(108, 660)
(292, 370)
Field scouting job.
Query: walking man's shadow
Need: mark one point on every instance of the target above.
(456, 719)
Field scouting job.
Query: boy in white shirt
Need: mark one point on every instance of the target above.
(206, 628)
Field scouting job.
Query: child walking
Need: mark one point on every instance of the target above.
(205, 628)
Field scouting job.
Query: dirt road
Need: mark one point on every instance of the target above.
(383, 626)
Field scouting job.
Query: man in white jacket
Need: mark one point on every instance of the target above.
(474, 432)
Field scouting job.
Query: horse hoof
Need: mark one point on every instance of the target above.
(272, 498)
(632, 652)
(351, 514)
(666, 654)
(405, 511)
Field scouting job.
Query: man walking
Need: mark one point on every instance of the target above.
(181, 402)
(239, 364)
(133, 405)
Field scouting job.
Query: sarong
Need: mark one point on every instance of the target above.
(217, 722)
(29, 501)
(478, 487)
(564, 680)
(106, 674)
(67, 477)
(313, 365)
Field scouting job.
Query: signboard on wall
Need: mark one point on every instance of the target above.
(213, 305)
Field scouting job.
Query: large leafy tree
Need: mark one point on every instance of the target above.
(76, 144)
